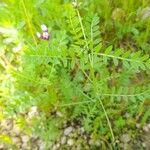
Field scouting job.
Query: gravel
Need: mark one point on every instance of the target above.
(70, 142)
(125, 138)
(68, 130)
(73, 137)
(63, 140)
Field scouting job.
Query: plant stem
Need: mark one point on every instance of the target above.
(108, 121)
(28, 22)
(81, 24)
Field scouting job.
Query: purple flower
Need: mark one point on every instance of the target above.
(44, 35)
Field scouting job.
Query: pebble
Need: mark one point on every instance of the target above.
(125, 138)
(82, 130)
(1, 146)
(148, 125)
(117, 141)
(68, 130)
(138, 125)
(25, 146)
(146, 128)
(16, 130)
(17, 141)
(143, 144)
(57, 145)
(70, 142)
(59, 114)
(42, 146)
(7, 124)
(91, 142)
(63, 140)
(54, 147)
(25, 138)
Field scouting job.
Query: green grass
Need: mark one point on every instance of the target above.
(94, 69)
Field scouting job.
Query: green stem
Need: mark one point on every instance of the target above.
(108, 121)
(81, 24)
(28, 22)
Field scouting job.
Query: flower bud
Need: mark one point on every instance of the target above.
(38, 35)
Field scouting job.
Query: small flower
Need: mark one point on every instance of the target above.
(45, 36)
(44, 28)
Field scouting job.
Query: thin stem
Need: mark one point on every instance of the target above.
(28, 22)
(82, 28)
(74, 103)
(108, 121)
(123, 95)
(117, 57)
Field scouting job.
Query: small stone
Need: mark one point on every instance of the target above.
(63, 140)
(117, 141)
(16, 141)
(138, 125)
(125, 138)
(68, 130)
(25, 146)
(70, 142)
(54, 147)
(42, 146)
(16, 130)
(145, 128)
(82, 130)
(91, 142)
(25, 138)
(57, 145)
(148, 125)
(1, 146)
(85, 137)
(7, 124)
(59, 114)
(143, 144)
